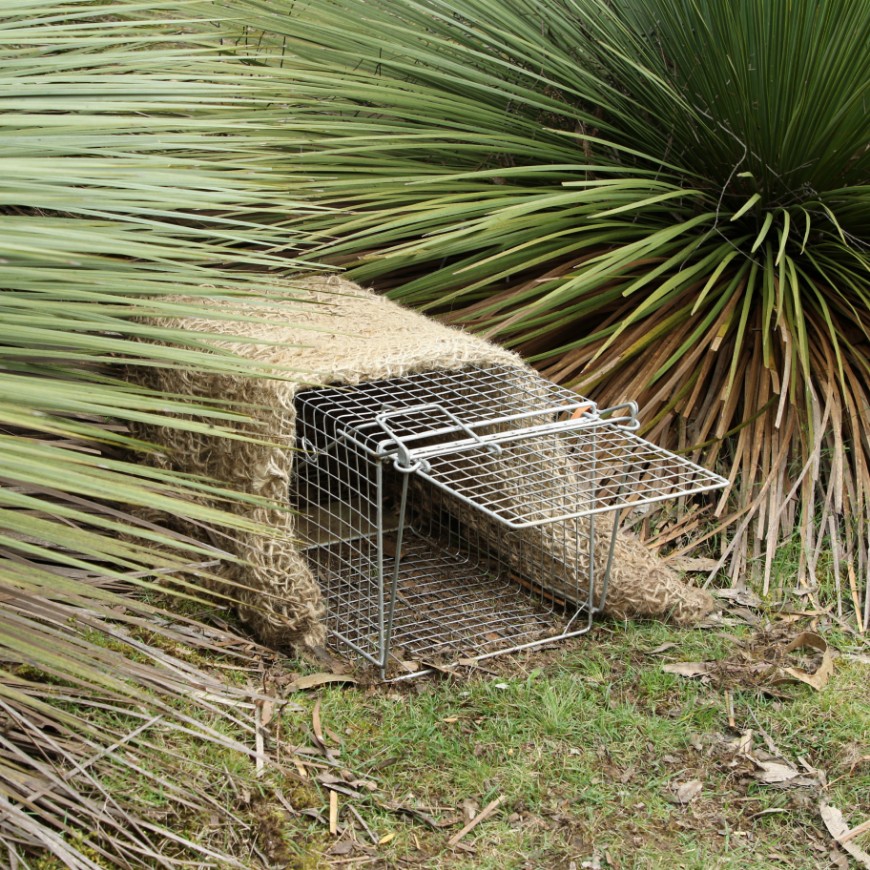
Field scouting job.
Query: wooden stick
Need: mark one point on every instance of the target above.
(485, 813)
(333, 812)
(856, 832)
(372, 835)
(729, 706)
(259, 743)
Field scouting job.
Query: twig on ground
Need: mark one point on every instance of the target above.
(259, 742)
(333, 811)
(285, 803)
(372, 835)
(772, 747)
(729, 706)
(485, 813)
(839, 830)
(856, 831)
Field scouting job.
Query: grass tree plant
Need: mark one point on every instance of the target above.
(665, 201)
(134, 174)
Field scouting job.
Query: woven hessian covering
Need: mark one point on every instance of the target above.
(342, 334)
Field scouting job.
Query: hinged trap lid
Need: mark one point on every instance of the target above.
(570, 473)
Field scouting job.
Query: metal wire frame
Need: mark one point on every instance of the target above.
(407, 567)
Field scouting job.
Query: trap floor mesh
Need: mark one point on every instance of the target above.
(448, 606)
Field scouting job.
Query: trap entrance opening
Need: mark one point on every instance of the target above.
(440, 592)
(451, 516)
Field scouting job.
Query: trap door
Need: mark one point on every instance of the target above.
(543, 478)
(532, 478)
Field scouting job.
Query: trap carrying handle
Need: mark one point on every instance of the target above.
(403, 461)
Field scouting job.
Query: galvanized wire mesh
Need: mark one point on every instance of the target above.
(437, 507)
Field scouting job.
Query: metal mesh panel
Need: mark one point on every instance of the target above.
(343, 503)
(478, 397)
(455, 598)
(525, 483)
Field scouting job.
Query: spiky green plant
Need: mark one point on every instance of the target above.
(665, 201)
(134, 167)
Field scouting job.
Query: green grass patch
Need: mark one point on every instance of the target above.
(587, 746)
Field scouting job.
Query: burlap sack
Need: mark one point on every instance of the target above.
(338, 333)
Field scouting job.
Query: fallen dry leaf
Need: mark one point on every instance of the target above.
(344, 847)
(448, 670)
(839, 830)
(686, 792)
(818, 679)
(469, 809)
(781, 773)
(687, 669)
(770, 811)
(315, 723)
(334, 783)
(744, 597)
(420, 815)
(660, 649)
(742, 745)
(328, 732)
(774, 771)
(312, 681)
(267, 711)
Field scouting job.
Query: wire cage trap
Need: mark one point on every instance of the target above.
(453, 516)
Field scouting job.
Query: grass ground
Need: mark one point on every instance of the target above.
(597, 756)
(588, 747)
